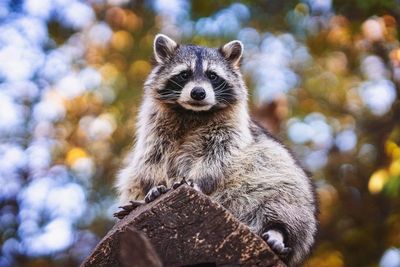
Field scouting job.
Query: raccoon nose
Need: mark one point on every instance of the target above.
(198, 93)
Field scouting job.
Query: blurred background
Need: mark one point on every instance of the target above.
(323, 75)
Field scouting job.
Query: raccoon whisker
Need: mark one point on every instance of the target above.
(220, 86)
(165, 97)
(225, 96)
(170, 92)
(224, 93)
(168, 97)
(166, 100)
(180, 86)
(223, 101)
(167, 94)
(162, 98)
(221, 92)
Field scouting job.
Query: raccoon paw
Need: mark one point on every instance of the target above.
(155, 192)
(127, 209)
(274, 239)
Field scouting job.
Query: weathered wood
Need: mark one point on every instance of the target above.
(136, 250)
(185, 228)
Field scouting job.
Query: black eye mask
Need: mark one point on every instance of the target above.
(224, 92)
(174, 86)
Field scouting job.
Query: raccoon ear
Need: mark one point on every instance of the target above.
(232, 52)
(164, 48)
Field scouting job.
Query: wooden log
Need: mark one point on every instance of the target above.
(184, 228)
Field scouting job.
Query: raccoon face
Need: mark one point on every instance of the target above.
(197, 78)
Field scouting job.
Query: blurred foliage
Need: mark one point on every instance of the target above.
(322, 75)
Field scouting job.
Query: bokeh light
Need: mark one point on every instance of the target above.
(322, 75)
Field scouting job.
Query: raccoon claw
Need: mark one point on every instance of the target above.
(275, 241)
(151, 196)
(178, 184)
(189, 182)
(192, 184)
(127, 209)
(155, 192)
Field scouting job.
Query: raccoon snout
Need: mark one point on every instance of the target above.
(198, 93)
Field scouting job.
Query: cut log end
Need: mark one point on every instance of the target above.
(181, 228)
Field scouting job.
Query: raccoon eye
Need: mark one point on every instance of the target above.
(212, 76)
(184, 75)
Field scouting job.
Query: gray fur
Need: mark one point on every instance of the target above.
(232, 159)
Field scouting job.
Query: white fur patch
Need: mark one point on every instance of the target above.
(186, 101)
(178, 69)
(205, 64)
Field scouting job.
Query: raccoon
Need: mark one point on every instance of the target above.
(194, 124)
